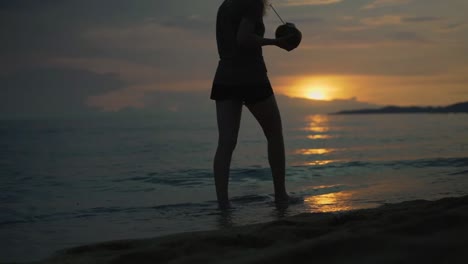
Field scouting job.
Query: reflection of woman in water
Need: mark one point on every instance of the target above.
(241, 78)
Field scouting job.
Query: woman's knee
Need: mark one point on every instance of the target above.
(227, 144)
(273, 133)
(275, 138)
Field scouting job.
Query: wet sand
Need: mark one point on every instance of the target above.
(408, 232)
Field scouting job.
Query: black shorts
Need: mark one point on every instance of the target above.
(240, 79)
(248, 93)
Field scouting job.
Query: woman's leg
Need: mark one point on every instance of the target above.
(228, 115)
(267, 114)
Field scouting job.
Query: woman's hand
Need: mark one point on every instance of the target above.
(247, 38)
(285, 42)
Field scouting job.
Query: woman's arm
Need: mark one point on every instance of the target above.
(246, 37)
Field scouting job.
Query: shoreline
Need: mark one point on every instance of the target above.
(416, 231)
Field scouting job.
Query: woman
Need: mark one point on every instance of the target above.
(241, 78)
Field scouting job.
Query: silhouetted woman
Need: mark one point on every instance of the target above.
(241, 79)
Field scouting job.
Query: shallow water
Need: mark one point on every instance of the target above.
(67, 183)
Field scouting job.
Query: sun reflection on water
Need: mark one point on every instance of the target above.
(330, 202)
(317, 129)
(319, 136)
(319, 126)
(319, 162)
(318, 120)
(312, 151)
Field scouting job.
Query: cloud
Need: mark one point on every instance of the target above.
(117, 100)
(136, 96)
(193, 22)
(370, 24)
(407, 36)
(150, 36)
(60, 28)
(309, 2)
(52, 91)
(356, 42)
(197, 104)
(385, 3)
(452, 27)
(387, 20)
(25, 4)
(126, 70)
(382, 20)
(170, 44)
(301, 20)
(420, 19)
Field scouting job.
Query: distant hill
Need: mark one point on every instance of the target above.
(455, 108)
(294, 106)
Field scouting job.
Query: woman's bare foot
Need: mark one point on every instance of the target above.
(282, 198)
(224, 205)
(285, 199)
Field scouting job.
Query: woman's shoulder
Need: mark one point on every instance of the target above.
(251, 3)
(252, 8)
(244, 3)
(243, 8)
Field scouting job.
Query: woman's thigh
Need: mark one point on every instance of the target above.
(228, 114)
(268, 116)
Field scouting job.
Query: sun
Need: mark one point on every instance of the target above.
(316, 89)
(316, 94)
(320, 88)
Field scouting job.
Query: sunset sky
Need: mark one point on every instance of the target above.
(114, 54)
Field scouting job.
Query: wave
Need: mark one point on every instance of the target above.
(206, 208)
(204, 177)
(452, 167)
(416, 163)
(10, 216)
(464, 172)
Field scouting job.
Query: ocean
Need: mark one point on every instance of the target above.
(66, 183)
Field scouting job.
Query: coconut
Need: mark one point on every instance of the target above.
(289, 29)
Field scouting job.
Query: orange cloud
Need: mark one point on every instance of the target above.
(385, 3)
(382, 20)
(309, 2)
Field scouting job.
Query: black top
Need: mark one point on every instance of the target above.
(230, 14)
(239, 65)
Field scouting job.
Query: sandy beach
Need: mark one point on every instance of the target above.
(409, 232)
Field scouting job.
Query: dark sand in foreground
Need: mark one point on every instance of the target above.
(409, 232)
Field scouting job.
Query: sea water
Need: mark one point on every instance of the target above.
(65, 183)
